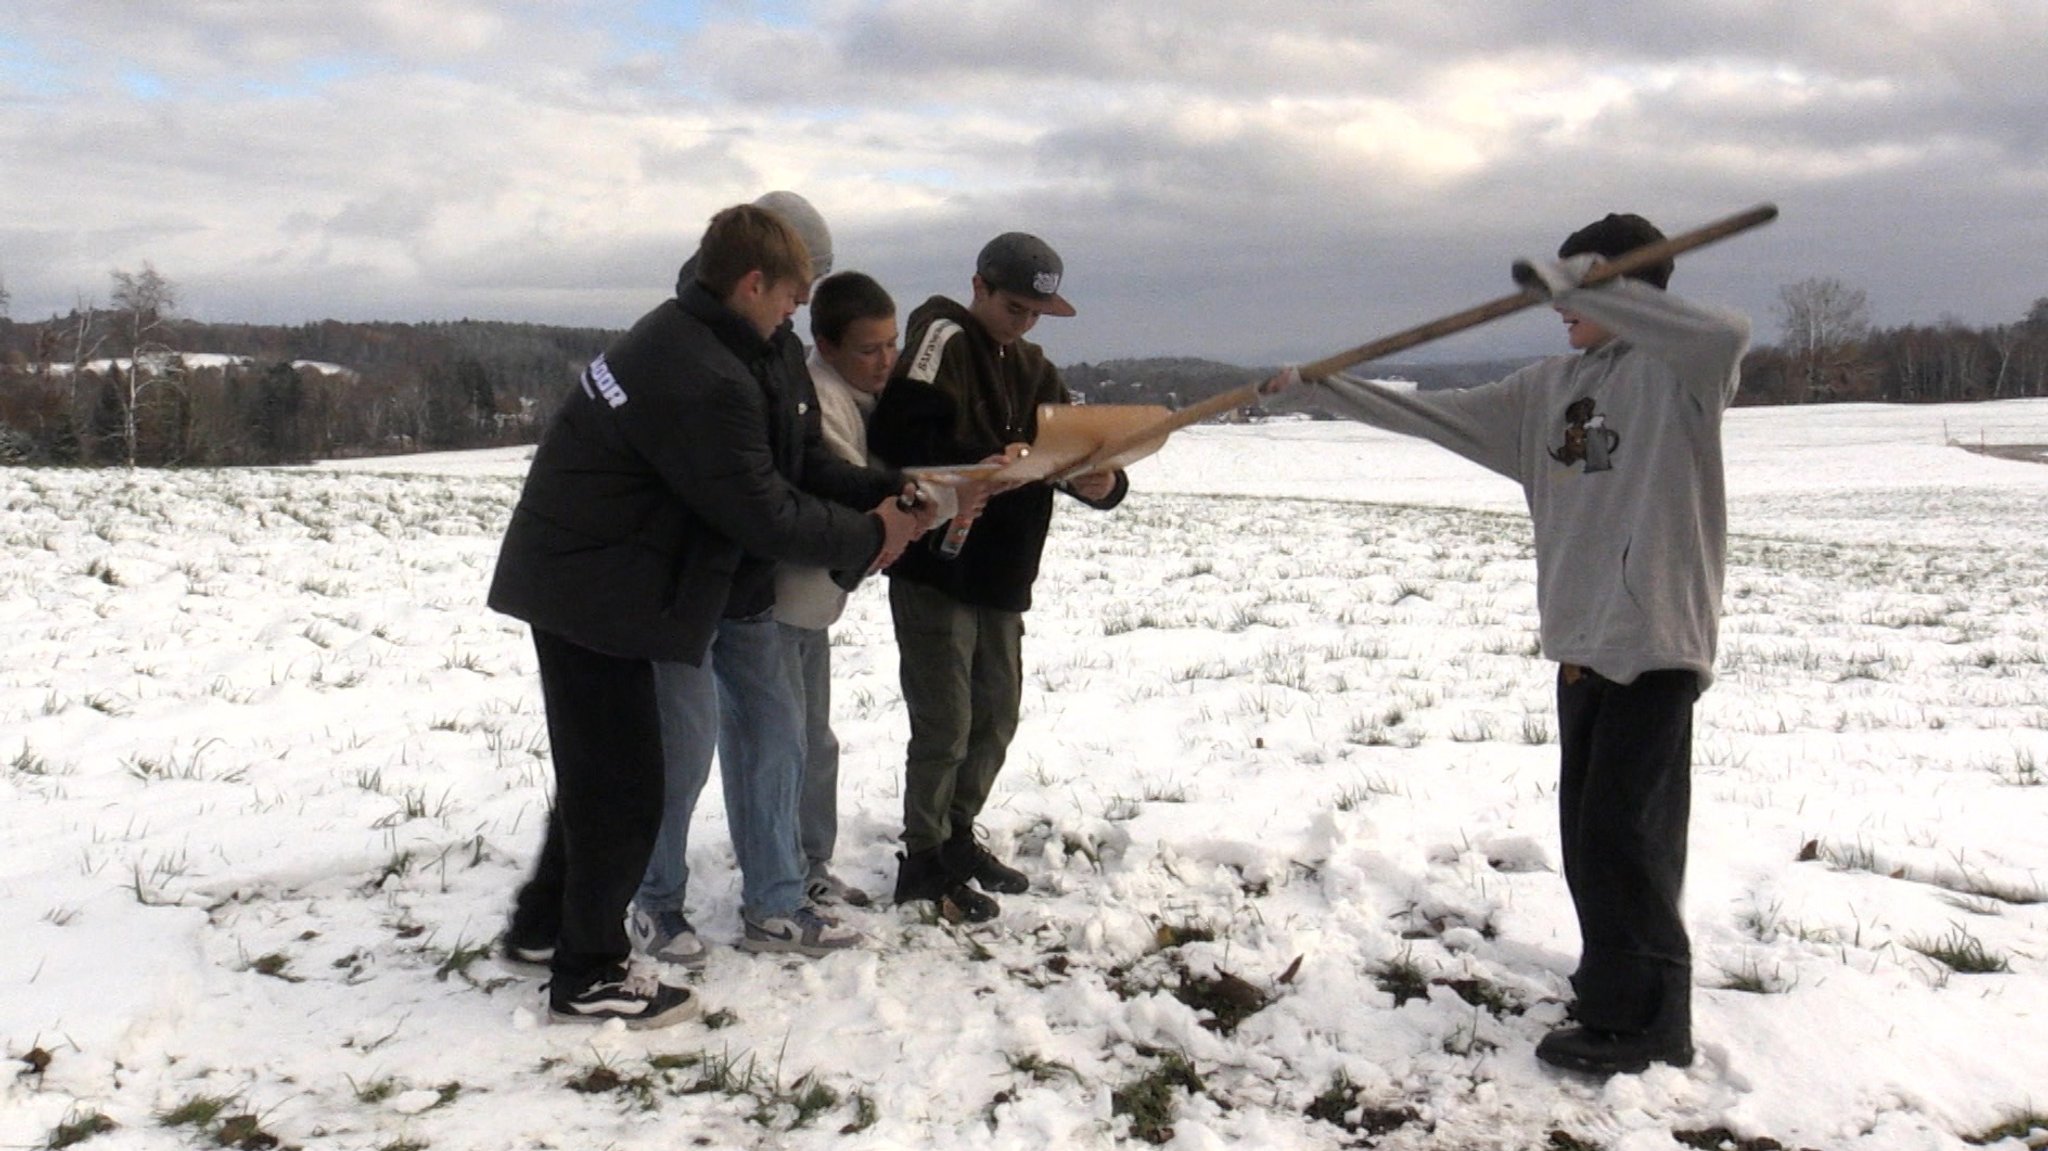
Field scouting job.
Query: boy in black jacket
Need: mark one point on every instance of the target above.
(664, 467)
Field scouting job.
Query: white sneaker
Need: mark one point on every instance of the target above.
(804, 931)
(666, 936)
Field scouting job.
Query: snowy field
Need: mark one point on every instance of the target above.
(1285, 783)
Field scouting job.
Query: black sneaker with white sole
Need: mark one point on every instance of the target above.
(631, 994)
(531, 957)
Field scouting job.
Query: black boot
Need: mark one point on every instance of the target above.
(1598, 1052)
(967, 859)
(919, 875)
(922, 875)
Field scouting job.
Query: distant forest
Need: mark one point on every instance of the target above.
(219, 394)
(132, 384)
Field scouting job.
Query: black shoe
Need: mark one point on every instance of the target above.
(922, 876)
(963, 904)
(919, 875)
(634, 996)
(1597, 1052)
(523, 954)
(966, 859)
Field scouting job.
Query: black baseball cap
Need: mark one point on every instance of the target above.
(1024, 265)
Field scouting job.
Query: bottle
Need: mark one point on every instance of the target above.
(955, 538)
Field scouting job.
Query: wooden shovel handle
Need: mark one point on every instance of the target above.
(1437, 329)
(1621, 265)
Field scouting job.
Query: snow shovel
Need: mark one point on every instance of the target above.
(1144, 439)
(1067, 435)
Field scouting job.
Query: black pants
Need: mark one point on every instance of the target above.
(605, 735)
(1624, 800)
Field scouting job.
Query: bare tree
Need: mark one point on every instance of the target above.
(4, 297)
(1824, 322)
(143, 301)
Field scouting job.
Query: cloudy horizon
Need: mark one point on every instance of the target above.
(1241, 185)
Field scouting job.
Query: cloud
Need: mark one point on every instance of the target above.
(1222, 180)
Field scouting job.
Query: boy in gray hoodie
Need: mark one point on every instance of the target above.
(1618, 450)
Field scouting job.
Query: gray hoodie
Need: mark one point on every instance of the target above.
(1618, 451)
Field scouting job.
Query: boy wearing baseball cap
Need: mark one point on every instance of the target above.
(968, 390)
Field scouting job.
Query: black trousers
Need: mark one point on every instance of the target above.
(604, 731)
(1624, 801)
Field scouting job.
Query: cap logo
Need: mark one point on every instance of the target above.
(1045, 283)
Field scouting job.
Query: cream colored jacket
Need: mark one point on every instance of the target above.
(806, 596)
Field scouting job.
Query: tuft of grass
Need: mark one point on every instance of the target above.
(2023, 770)
(1166, 935)
(724, 1074)
(1368, 732)
(1164, 793)
(1228, 999)
(75, 1131)
(1750, 980)
(199, 1111)
(806, 1099)
(1722, 1139)
(604, 1079)
(106, 705)
(1858, 856)
(245, 1132)
(1489, 997)
(459, 959)
(1973, 884)
(1475, 729)
(1340, 1105)
(864, 1114)
(1961, 952)
(277, 965)
(1039, 1068)
(1150, 1100)
(1402, 977)
(2027, 1126)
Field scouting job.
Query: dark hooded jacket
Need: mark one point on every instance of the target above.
(957, 397)
(673, 476)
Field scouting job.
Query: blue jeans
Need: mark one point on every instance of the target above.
(807, 653)
(740, 704)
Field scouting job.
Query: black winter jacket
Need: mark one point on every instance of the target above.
(958, 399)
(680, 454)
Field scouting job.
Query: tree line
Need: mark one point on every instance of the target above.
(131, 383)
(1828, 350)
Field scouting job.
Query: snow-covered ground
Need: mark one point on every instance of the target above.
(1284, 786)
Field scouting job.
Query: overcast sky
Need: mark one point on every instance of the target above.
(1247, 182)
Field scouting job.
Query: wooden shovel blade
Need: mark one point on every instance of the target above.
(1069, 434)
